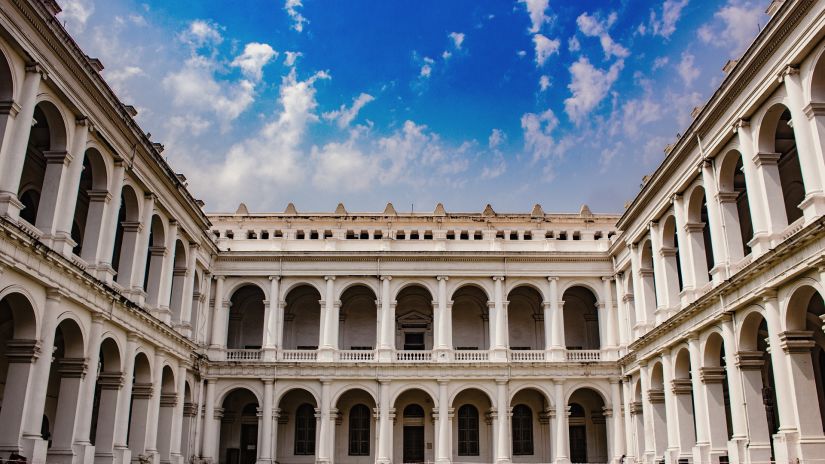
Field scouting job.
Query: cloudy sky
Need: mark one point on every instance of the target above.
(465, 102)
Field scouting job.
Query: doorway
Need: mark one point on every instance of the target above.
(413, 444)
(249, 443)
(578, 443)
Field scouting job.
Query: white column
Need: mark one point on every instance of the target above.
(700, 410)
(610, 320)
(124, 400)
(670, 406)
(142, 245)
(384, 423)
(177, 415)
(561, 432)
(737, 403)
(105, 248)
(557, 324)
(503, 431)
(717, 234)
(779, 363)
(13, 153)
(54, 187)
(649, 436)
(659, 275)
(760, 212)
(188, 286)
(219, 316)
(685, 261)
(209, 425)
(36, 400)
(617, 428)
(629, 431)
(813, 206)
(67, 197)
(271, 313)
(154, 404)
(443, 454)
(266, 423)
(84, 419)
(327, 429)
(498, 323)
(165, 290)
(386, 338)
(442, 325)
(640, 304)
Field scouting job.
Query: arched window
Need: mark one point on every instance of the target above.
(305, 430)
(359, 430)
(468, 430)
(522, 430)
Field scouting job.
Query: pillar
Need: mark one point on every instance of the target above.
(111, 384)
(700, 410)
(503, 429)
(209, 424)
(122, 451)
(671, 418)
(167, 271)
(265, 453)
(219, 316)
(443, 453)
(796, 347)
(326, 433)
(650, 435)
(498, 326)
(271, 314)
(185, 322)
(329, 319)
(757, 446)
(659, 274)
(105, 248)
(442, 323)
(685, 261)
(177, 416)
(155, 404)
(609, 314)
(71, 371)
(764, 213)
(54, 187)
(66, 201)
(557, 325)
(717, 234)
(87, 396)
(383, 455)
(630, 435)
(711, 380)
(616, 439)
(562, 441)
(142, 245)
(639, 287)
(386, 337)
(13, 154)
(22, 356)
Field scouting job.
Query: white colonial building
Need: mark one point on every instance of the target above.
(136, 328)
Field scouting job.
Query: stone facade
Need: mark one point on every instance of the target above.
(136, 328)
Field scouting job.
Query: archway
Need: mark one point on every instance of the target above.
(358, 319)
(735, 205)
(89, 207)
(656, 398)
(139, 409)
(698, 235)
(758, 386)
(414, 319)
(297, 427)
(65, 380)
(239, 428)
(18, 342)
(650, 297)
(246, 318)
(776, 135)
(107, 391)
(472, 427)
(302, 318)
(179, 271)
(413, 430)
(581, 319)
(525, 319)
(717, 392)
(155, 255)
(672, 258)
(470, 322)
(682, 388)
(168, 401)
(355, 432)
(588, 434)
(530, 427)
(804, 325)
(128, 223)
(189, 424)
(47, 143)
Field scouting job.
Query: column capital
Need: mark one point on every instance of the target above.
(553, 278)
(268, 380)
(98, 318)
(54, 294)
(385, 277)
(442, 277)
(788, 70)
(607, 278)
(767, 294)
(501, 381)
(275, 277)
(384, 381)
(329, 277)
(498, 277)
(219, 277)
(443, 381)
(35, 67)
(741, 123)
(150, 196)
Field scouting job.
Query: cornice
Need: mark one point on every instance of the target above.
(372, 256)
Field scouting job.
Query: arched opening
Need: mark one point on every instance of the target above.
(195, 315)
(672, 257)
(530, 427)
(717, 392)
(355, 431)
(104, 406)
(168, 401)
(6, 94)
(414, 319)
(189, 424)
(472, 427)
(525, 319)
(698, 233)
(302, 318)
(656, 398)
(736, 211)
(776, 136)
(18, 342)
(637, 412)
(178, 281)
(581, 319)
(246, 318)
(358, 319)
(128, 223)
(297, 426)
(758, 383)
(682, 388)
(239, 428)
(65, 380)
(646, 273)
(413, 431)
(139, 409)
(804, 324)
(588, 433)
(89, 207)
(155, 254)
(47, 144)
(470, 319)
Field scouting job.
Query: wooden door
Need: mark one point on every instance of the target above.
(413, 444)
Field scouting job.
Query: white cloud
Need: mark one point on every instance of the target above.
(545, 48)
(660, 62)
(118, 77)
(536, 9)
(496, 138)
(573, 44)
(591, 26)
(457, 38)
(735, 25)
(343, 166)
(298, 20)
(201, 33)
(291, 57)
(446, 55)
(544, 82)
(665, 25)
(496, 168)
(638, 112)
(521, 53)
(687, 70)
(76, 14)
(254, 57)
(589, 86)
(344, 116)
(538, 129)
(426, 71)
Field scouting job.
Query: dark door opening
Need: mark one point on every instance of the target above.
(414, 340)
(413, 444)
(249, 443)
(578, 443)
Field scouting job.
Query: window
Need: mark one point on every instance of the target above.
(414, 340)
(522, 430)
(359, 430)
(468, 430)
(305, 430)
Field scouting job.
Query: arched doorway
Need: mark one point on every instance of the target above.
(63, 392)
(297, 427)
(470, 319)
(302, 318)
(472, 427)
(804, 326)
(588, 434)
(107, 391)
(581, 319)
(717, 392)
(246, 318)
(128, 223)
(139, 409)
(758, 386)
(530, 427)
(698, 235)
(155, 254)
(413, 430)
(89, 207)
(47, 141)
(525, 319)
(414, 319)
(355, 432)
(239, 428)
(179, 277)
(18, 341)
(168, 401)
(358, 319)
(735, 205)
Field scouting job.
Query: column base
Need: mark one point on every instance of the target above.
(384, 355)
(163, 313)
(104, 458)
(760, 244)
(138, 295)
(10, 206)
(557, 354)
(813, 206)
(701, 453)
(84, 453)
(185, 329)
(63, 243)
(498, 355)
(562, 460)
(442, 355)
(326, 354)
(61, 456)
(270, 354)
(122, 455)
(105, 272)
(35, 448)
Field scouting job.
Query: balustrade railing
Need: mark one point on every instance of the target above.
(243, 355)
(584, 355)
(299, 355)
(414, 356)
(528, 355)
(471, 355)
(355, 355)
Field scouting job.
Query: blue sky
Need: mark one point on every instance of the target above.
(461, 102)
